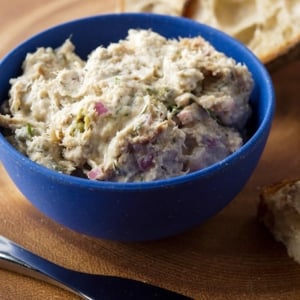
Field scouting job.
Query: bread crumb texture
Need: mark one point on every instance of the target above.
(269, 28)
(279, 210)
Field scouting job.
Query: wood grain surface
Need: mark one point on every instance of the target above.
(231, 256)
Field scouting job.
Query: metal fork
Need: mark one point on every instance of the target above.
(89, 286)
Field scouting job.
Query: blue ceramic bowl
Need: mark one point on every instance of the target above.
(137, 211)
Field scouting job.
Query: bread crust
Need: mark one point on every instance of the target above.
(269, 190)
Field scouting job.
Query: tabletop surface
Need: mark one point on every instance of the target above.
(231, 256)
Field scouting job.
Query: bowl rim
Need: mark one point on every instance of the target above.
(162, 183)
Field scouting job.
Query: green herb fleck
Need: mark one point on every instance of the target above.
(174, 109)
(213, 115)
(29, 130)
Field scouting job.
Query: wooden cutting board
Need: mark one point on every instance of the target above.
(231, 256)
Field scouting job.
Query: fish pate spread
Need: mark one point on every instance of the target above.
(142, 109)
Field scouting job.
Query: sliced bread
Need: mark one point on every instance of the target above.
(270, 28)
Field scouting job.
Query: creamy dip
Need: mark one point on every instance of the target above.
(142, 109)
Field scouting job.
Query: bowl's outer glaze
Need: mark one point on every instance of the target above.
(137, 211)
